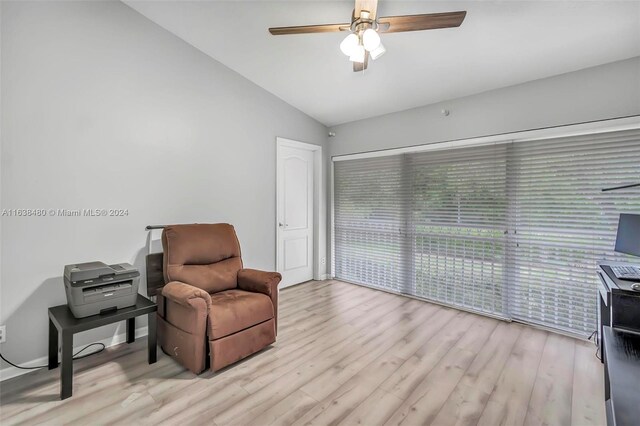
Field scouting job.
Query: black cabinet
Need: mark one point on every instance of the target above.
(619, 344)
(618, 304)
(622, 377)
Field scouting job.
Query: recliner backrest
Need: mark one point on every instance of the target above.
(206, 256)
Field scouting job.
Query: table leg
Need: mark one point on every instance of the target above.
(131, 330)
(66, 372)
(53, 345)
(152, 338)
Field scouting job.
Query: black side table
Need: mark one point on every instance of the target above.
(63, 323)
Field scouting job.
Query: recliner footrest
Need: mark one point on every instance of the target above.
(229, 349)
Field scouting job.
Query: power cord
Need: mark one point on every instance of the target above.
(75, 356)
(594, 336)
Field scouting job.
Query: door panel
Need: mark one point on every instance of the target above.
(296, 253)
(296, 188)
(295, 211)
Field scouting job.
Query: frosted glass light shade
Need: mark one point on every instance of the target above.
(358, 54)
(349, 44)
(370, 39)
(379, 51)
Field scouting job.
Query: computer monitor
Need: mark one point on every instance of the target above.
(628, 239)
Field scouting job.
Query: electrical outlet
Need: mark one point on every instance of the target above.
(3, 333)
(323, 260)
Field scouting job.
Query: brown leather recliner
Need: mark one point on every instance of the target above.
(209, 302)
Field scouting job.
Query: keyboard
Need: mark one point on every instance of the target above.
(631, 273)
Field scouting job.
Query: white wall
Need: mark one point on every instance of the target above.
(102, 108)
(606, 91)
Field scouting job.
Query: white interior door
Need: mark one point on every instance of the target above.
(295, 214)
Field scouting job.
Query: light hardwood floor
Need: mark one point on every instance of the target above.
(345, 355)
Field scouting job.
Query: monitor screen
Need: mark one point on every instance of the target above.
(628, 239)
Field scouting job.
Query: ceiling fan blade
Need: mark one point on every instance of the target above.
(369, 5)
(429, 21)
(307, 29)
(361, 66)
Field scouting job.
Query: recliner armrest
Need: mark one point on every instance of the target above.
(183, 293)
(259, 281)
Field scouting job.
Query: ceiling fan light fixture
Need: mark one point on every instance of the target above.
(370, 39)
(358, 54)
(364, 29)
(377, 52)
(350, 44)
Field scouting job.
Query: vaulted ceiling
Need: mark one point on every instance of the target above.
(500, 43)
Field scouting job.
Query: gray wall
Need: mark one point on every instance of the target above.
(104, 109)
(606, 91)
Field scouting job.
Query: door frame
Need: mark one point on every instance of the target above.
(318, 255)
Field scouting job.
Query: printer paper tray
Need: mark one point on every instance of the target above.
(111, 290)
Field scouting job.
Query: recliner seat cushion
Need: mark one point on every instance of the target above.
(235, 310)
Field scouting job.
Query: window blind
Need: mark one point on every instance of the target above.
(457, 223)
(562, 224)
(430, 225)
(369, 221)
(513, 230)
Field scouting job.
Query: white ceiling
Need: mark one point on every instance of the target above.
(500, 43)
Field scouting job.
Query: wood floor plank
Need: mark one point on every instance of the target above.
(173, 406)
(330, 297)
(425, 402)
(550, 402)
(320, 387)
(586, 402)
(418, 337)
(347, 355)
(376, 408)
(312, 322)
(464, 406)
(467, 402)
(298, 293)
(308, 323)
(428, 397)
(486, 368)
(509, 400)
(287, 411)
(339, 404)
(413, 372)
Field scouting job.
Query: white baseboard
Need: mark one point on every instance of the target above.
(323, 277)
(10, 372)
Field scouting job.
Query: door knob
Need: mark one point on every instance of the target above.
(280, 224)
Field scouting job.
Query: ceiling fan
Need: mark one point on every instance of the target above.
(363, 40)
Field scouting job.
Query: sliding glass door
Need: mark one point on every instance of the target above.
(512, 230)
(456, 226)
(430, 225)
